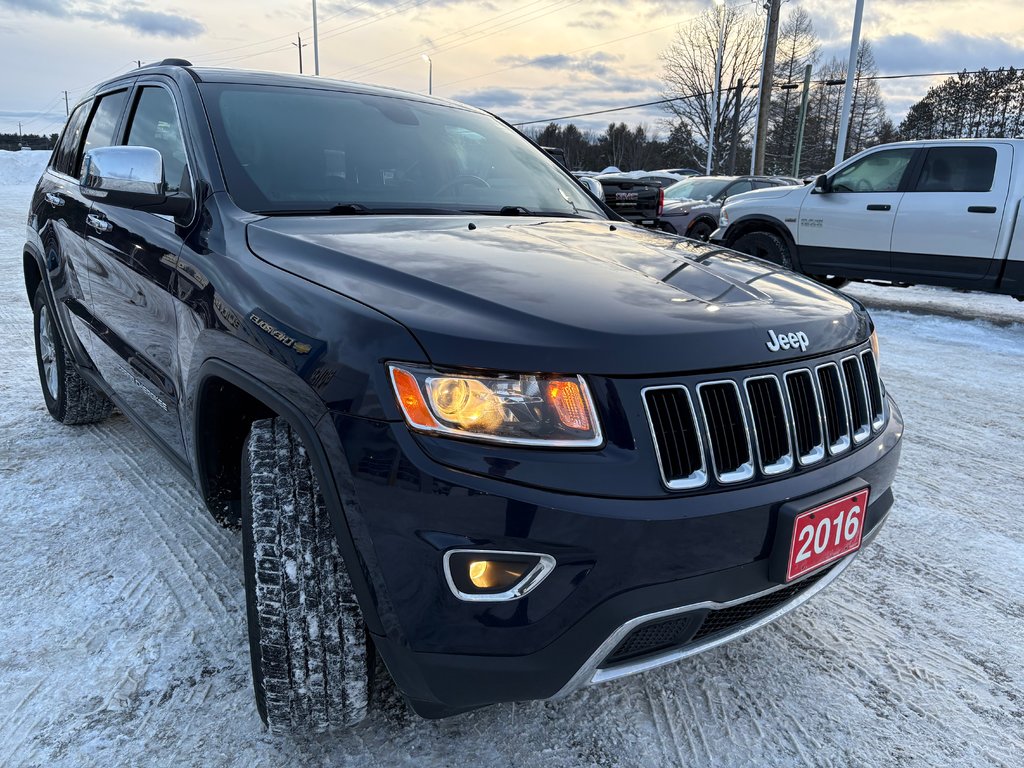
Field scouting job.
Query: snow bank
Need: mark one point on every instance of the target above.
(24, 167)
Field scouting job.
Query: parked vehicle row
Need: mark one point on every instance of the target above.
(691, 206)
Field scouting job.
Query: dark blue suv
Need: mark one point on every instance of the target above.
(468, 420)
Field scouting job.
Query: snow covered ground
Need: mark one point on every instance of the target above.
(122, 638)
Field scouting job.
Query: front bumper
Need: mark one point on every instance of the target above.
(620, 563)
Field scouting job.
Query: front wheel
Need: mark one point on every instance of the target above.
(307, 639)
(765, 245)
(69, 398)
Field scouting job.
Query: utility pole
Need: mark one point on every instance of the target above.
(774, 8)
(19, 129)
(800, 124)
(717, 88)
(300, 45)
(851, 71)
(316, 45)
(735, 126)
(67, 108)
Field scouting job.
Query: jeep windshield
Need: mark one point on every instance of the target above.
(308, 151)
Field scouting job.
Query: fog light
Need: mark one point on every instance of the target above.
(488, 575)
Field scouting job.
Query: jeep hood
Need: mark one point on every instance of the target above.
(562, 296)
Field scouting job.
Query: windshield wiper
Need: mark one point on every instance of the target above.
(355, 209)
(521, 210)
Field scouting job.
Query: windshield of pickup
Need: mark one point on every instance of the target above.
(294, 150)
(696, 189)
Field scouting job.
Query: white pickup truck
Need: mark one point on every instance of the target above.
(938, 212)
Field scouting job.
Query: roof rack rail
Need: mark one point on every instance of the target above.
(169, 63)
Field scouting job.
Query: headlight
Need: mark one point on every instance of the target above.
(554, 411)
(874, 349)
(723, 218)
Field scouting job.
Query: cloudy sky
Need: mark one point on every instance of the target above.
(524, 59)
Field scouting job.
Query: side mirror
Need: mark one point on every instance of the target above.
(129, 177)
(593, 186)
(822, 184)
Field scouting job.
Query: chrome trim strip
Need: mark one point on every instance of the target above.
(698, 478)
(589, 673)
(860, 434)
(526, 585)
(744, 471)
(818, 451)
(843, 443)
(785, 462)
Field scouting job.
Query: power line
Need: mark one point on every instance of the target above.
(753, 87)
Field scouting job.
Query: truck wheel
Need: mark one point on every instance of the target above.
(307, 639)
(69, 398)
(700, 230)
(764, 245)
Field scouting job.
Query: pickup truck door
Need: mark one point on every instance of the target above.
(948, 222)
(848, 230)
(134, 280)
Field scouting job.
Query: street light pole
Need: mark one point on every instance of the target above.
(851, 71)
(718, 84)
(430, 73)
(316, 45)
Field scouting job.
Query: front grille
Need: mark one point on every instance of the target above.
(767, 423)
(676, 632)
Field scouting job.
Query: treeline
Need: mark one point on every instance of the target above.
(620, 146)
(980, 105)
(13, 142)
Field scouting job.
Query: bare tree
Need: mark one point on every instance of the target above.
(689, 75)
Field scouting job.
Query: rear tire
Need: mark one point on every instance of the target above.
(69, 398)
(307, 639)
(765, 245)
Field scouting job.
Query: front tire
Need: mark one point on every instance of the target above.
(307, 639)
(765, 245)
(701, 230)
(69, 398)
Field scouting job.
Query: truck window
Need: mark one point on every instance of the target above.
(957, 169)
(64, 157)
(103, 124)
(155, 125)
(878, 172)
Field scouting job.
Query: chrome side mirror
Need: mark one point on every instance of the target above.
(129, 177)
(593, 186)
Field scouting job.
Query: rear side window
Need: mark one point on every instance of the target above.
(67, 150)
(155, 124)
(100, 132)
(957, 169)
(878, 172)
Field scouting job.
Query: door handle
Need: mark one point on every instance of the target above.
(879, 207)
(55, 200)
(981, 209)
(98, 223)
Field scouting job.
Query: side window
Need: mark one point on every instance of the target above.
(879, 172)
(154, 123)
(957, 169)
(100, 132)
(744, 185)
(67, 150)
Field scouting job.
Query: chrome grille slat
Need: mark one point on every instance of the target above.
(857, 396)
(725, 426)
(764, 424)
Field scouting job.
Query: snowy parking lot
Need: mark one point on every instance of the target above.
(123, 634)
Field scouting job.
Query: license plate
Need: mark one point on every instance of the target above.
(824, 534)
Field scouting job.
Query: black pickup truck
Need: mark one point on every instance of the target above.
(467, 422)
